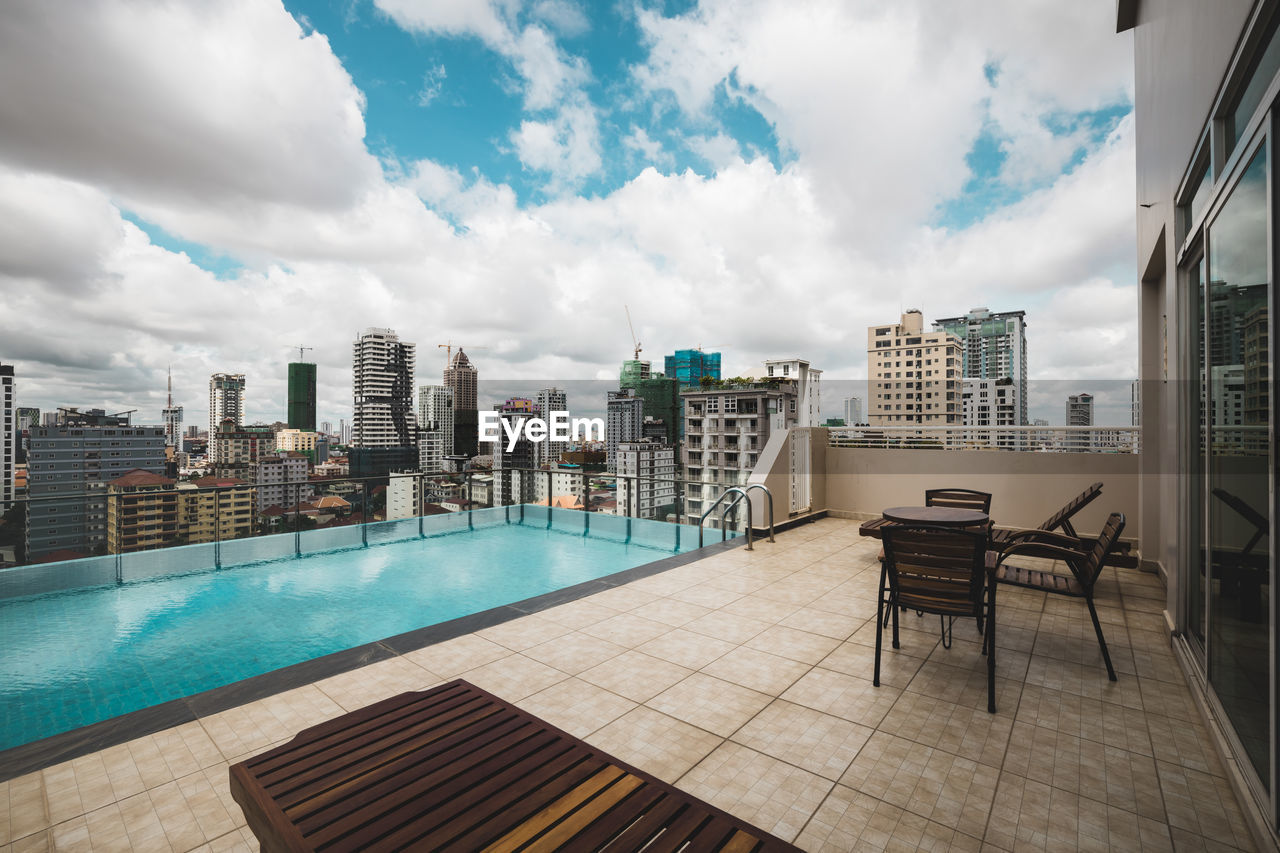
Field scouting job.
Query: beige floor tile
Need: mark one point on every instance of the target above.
(838, 626)
(623, 598)
(1090, 719)
(627, 630)
(896, 668)
(768, 793)
(454, 657)
(1183, 742)
(710, 703)
(707, 595)
(846, 696)
(520, 634)
(576, 706)
(375, 682)
(1202, 804)
(687, 648)
(966, 686)
(793, 644)
(655, 742)
(912, 641)
(727, 626)
(929, 782)
(635, 675)
(817, 742)
(514, 677)
(671, 611)
(1087, 680)
(761, 606)
(762, 671)
(40, 842)
(579, 614)
(574, 652)
(961, 730)
(850, 820)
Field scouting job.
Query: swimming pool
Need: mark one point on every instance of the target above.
(128, 636)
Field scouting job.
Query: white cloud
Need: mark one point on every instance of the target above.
(432, 85)
(221, 104)
(567, 146)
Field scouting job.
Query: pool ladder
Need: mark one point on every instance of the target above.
(738, 493)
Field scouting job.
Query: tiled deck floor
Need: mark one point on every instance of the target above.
(745, 679)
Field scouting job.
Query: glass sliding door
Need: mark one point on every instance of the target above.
(1237, 407)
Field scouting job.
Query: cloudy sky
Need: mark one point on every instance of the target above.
(209, 185)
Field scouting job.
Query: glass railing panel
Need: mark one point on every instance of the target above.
(55, 577)
(331, 539)
(141, 565)
(258, 549)
(381, 532)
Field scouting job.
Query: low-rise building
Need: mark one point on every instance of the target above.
(282, 480)
(142, 512)
(646, 479)
(215, 509)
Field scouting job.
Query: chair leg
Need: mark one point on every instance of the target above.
(990, 640)
(875, 678)
(1102, 643)
(894, 609)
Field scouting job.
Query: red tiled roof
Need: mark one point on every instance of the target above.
(139, 477)
(59, 555)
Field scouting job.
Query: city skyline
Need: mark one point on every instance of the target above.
(511, 175)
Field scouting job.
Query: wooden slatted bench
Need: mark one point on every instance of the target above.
(457, 768)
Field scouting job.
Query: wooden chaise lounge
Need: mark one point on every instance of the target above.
(457, 768)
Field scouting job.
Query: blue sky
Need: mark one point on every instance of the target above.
(226, 179)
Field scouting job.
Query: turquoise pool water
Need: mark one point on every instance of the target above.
(74, 656)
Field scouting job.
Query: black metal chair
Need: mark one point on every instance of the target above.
(938, 570)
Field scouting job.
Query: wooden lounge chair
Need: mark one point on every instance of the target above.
(1060, 519)
(1084, 563)
(457, 768)
(938, 570)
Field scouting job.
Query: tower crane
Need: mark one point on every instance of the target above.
(448, 349)
(301, 354)
(634, 342)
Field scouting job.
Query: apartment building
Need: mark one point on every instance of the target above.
(624, 421)
(226, 400)
(913, 375)
(463, 379)
(69, 466)
(142, 512)
(725, 430)
(382, 389)
(993, 403)
(313, 445)
(435, 427)
(281, 480)
(171, 417)
(234, 450)
(301, 402)
(647, 477)
(808, 390)
(215, 509)
(9, 437)
(546, 401)
(993, 346)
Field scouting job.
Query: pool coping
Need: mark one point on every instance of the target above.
(55, 749)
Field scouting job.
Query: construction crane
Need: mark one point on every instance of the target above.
(301, 353)
(634, 342)
(448, 348)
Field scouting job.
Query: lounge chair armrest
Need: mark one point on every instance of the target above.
(1070, 556)
(1043, 537)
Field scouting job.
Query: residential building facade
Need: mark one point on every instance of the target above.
(993, 346)
(215, 509)
(382, 388)
(281, 480)
(808, 390)
(853, 411)
(234, 450)
(688, 366)
(993, 403)
(624, 421)
(69, 467)
(142, 512)
(171, 417)
(546, 401)
(646, 479)
(8, 437)
(913, 375)
(435, 427)
(226, 400)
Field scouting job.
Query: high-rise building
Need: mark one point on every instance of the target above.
(688, 366)
(647, 479)
(853, 411)
(281, 480)
(28, 417)
(1080, 410)
(549, 400)
(234, 451)
(8, 436)
(226, 400)
(302, 396)
(382, 385)
(171, 416)
(807, 404)
(726, 428)
(624, 422)
(326, 427)
(1135, 403)
(462, 378)
(993, 346)
(913, 375)
(510, 485)
(992, 403)
(661, 395)
(69, 467)
(435, 427)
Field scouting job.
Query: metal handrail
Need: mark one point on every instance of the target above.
(724, 533)
(762, 487)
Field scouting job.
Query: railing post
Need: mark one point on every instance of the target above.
(421, 480)
(297, 518)
(217, 528)
(549, 494)
(364, 513)
(586, 503)
(467, 474)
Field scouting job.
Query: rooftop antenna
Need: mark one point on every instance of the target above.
(171, 386)
(635, 342)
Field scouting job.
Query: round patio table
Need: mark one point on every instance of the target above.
(943, 516)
